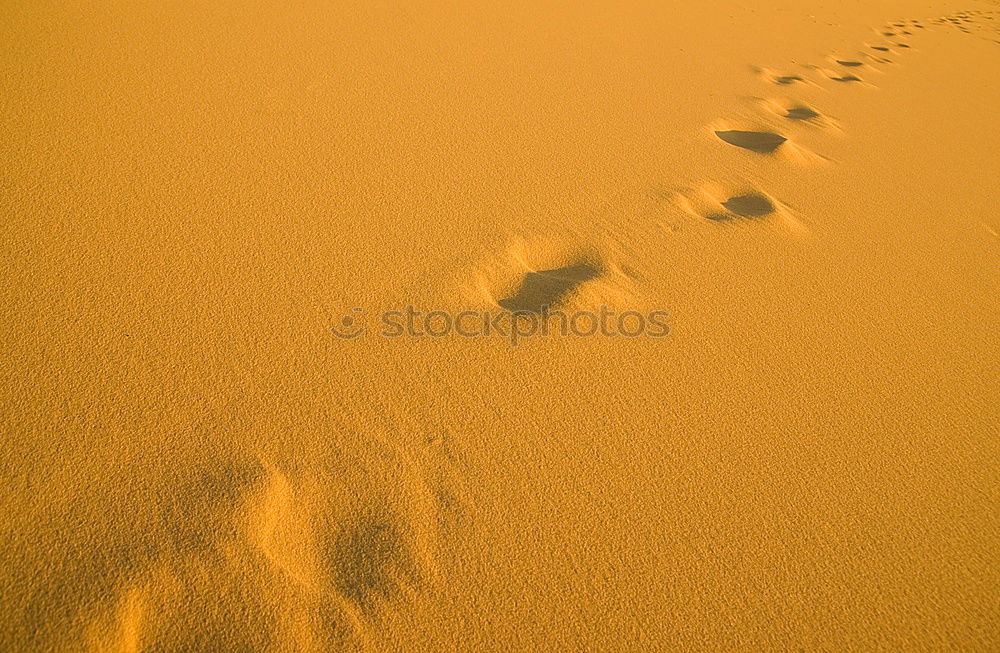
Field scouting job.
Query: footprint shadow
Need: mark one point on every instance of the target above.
(839, 76)
(801, 113)
(780, 77)
(370, 561)
(748, 205)
(759, 142)
(784, 80)
(542, 290)
(796, 111)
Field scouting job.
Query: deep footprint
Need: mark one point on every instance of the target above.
(849, 64)
(542, 290)
(372, 562)
(750, 205)
(801, 113)
(760, 142)
(846, 78)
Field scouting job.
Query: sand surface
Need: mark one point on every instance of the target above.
(194, 194)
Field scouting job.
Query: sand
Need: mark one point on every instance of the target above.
(197, 196)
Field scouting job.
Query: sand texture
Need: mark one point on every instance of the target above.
(213, 442)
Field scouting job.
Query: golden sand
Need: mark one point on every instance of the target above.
(195, 195)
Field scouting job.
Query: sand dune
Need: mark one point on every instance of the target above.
(619, 326)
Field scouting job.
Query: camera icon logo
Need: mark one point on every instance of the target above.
(348, 328)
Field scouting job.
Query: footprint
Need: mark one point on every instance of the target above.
(787, 108)
(372, 562)
(849, 63)
(780, 78)
(760, 142)
(792, 109)
(801, 113)
(839, 77)
(749, 205)
(880, 48)
(735, 204)
(787, 79)
(540, 273)
(542, 290)
(238, 551)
